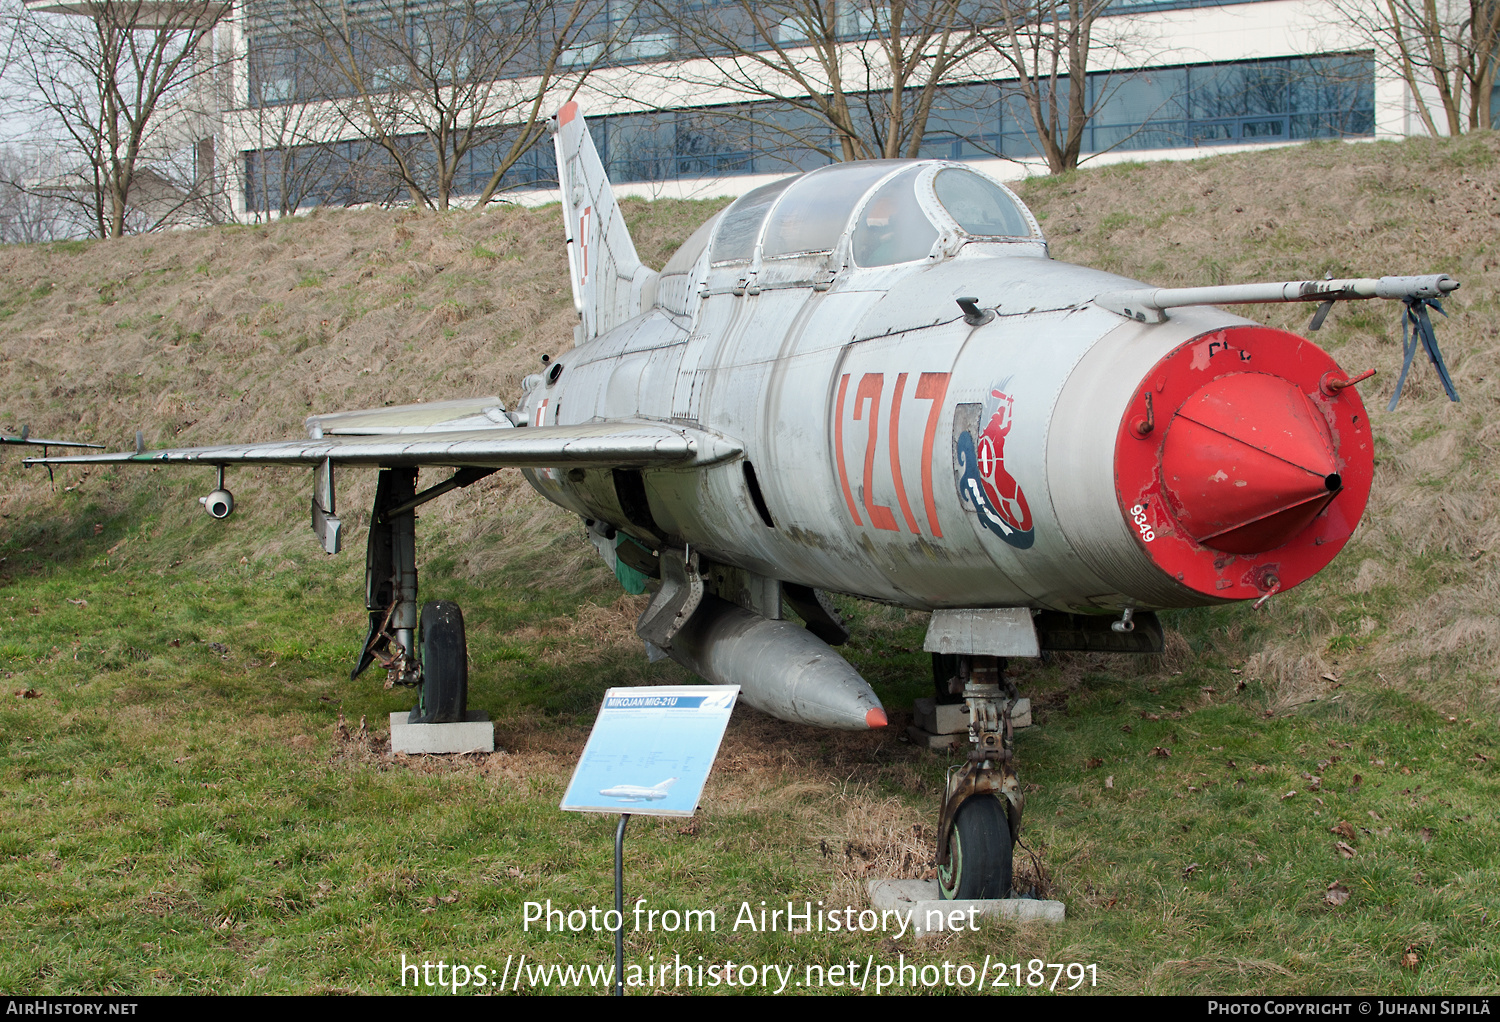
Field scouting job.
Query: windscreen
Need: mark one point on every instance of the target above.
(980, 206)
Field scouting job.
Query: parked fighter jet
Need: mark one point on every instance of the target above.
(871, 379)
(639, 793)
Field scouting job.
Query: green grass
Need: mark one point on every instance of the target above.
(185, 812)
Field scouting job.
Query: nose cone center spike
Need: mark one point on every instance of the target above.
(1248, 463)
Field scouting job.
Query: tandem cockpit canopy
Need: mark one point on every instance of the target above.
(869, 214)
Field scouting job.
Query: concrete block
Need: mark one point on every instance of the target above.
(942, 718)
(952, 720)
(930, 914)
(935, 743)
(475, 734)
(1020, 714)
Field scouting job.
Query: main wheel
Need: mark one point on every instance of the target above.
(979, 852)
(445, 664)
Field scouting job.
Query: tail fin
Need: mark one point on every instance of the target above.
(610, 283)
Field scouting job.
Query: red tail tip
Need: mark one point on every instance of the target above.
(876, 718)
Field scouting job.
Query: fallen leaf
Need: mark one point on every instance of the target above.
(78, 603)
(1190, 869)
(1093, 762)
(1109, 782)
(1160, 753)
(1290, 794)
(1409, 958)
(1336, 894)
(1125, 728)
(27, 693)
(1346, 850)
(1343, 829)
(1150, 716)
(98, 528)
(1427, 833)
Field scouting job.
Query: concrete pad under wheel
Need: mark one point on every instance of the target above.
(930, 914)
(475, 733)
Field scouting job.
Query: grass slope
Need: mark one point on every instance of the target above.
(192, 803)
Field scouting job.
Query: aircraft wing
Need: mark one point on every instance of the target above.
(618, 444)
(31, 441)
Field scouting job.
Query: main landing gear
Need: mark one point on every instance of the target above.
(982, 804)
(428, 653)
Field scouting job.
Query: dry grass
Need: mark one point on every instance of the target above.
(1423, 564)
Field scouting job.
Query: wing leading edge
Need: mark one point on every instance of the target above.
(589, 445)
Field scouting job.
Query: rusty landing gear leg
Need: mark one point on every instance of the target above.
(982, 806)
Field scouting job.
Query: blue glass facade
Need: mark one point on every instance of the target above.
(1331, 96)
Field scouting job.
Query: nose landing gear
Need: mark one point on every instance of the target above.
(982, 805)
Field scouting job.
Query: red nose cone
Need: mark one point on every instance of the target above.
(1236, 473)
(876, 718)
(1248, 463)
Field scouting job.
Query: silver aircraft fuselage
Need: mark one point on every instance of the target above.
(845, 394)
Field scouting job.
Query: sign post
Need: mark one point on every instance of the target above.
(649, 755)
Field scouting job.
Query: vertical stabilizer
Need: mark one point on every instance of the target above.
(610, 283)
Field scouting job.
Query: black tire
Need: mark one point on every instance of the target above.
(445, 664)
(979, 852)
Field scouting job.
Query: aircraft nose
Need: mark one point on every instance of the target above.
(1237, 471)
(1248, 463)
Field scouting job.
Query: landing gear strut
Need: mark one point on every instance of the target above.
(432, 653)
(983, 802)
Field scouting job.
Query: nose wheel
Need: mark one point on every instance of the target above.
(983, 802)
(979, 852)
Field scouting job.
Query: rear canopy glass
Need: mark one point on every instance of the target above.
(812, 214)
(892, 227)
(741, 224)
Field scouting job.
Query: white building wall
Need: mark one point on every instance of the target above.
(1266, 29)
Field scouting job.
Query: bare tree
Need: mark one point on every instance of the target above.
(453, 93)
(1046, 47)
(118, 85)
(1445, 50)
(852, 79)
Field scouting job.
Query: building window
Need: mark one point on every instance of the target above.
(1331, 96)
